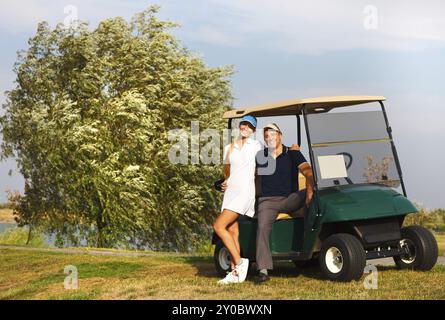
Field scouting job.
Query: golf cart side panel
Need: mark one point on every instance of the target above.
(286, 236)
(361, 202)
(311, 241)
(247, 236)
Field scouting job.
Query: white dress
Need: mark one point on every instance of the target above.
(240, 193)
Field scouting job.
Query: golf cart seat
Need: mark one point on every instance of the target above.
(299, 213)
(292, 215)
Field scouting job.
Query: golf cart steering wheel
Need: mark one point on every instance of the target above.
(348, 164)
(348, 155)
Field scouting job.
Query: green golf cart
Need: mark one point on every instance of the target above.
(359, 202)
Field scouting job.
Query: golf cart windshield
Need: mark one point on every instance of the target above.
(352, 148)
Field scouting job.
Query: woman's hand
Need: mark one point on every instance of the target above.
(295, 147)
(224, 186)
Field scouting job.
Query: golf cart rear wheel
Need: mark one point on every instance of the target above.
(419, 248)
(342, 257)
(222, 259)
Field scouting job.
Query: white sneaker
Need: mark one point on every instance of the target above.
(231, 277)
(242, 269)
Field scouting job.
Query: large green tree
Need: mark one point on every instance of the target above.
(88, 123)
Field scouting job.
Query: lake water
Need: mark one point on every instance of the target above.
(4, 226)
(50, 239)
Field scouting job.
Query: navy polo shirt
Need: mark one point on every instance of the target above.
(284, 179)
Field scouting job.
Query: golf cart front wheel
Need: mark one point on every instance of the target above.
(419, 249)
(342, 257)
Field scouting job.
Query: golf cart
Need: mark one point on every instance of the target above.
(359, 202)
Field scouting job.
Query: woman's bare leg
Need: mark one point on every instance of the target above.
(226, 218)
(234, 232)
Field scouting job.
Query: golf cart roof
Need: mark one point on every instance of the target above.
(294, 106)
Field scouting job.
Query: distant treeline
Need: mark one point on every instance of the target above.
(433, 219)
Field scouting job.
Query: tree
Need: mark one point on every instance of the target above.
(88, 123)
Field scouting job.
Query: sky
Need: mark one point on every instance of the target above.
(286, 49)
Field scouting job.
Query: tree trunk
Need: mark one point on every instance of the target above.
(29, 235)
(100, 238)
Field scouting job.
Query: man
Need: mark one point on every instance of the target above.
(278, 166)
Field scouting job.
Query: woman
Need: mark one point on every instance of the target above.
(239, 195)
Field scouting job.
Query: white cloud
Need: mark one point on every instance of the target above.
(23, 16)
(321, 25)
(17, 16)
(311, 27)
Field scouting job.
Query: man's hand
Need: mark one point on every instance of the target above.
(306, 170)
(295, 147)
(224, 186)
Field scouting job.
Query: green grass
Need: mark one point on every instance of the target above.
(441, 243)
(39, 275)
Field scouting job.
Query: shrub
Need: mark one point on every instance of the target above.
(19, 236)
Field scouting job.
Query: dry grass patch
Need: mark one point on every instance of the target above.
(6, 216)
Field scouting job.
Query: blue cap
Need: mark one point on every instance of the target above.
(250, 119)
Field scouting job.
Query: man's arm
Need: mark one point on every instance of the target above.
(306, 171)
